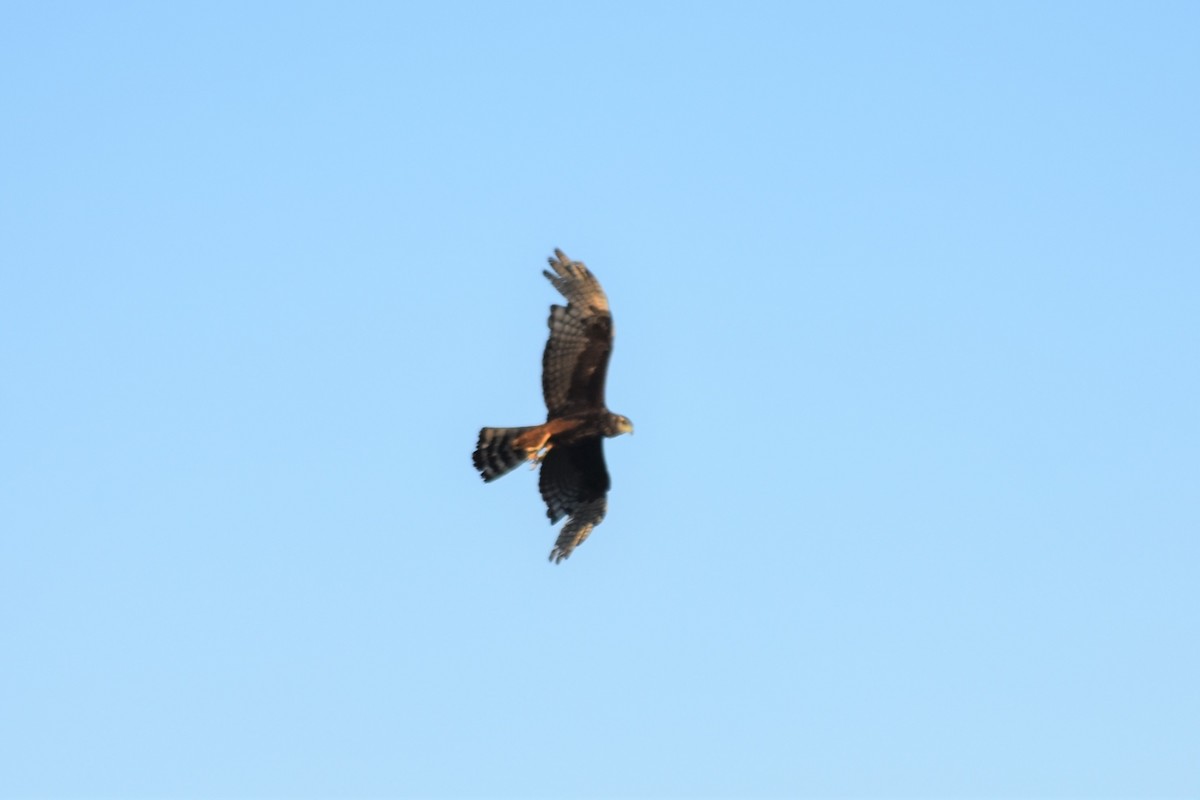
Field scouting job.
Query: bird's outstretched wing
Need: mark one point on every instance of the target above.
(574, 483)
(575, 362)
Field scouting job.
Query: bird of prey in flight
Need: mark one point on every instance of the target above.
(569, 445)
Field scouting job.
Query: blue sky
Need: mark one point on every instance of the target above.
(907, 301)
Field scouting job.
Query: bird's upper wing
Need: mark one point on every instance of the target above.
(575, 361)
(574, 483)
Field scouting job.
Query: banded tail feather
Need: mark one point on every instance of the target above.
(497, 452)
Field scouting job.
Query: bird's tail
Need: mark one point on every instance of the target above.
(498, 451)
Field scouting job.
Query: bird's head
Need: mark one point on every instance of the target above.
(617, 425)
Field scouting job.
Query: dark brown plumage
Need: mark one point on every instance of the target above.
(569, 446)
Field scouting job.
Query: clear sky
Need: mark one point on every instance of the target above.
(907, 299)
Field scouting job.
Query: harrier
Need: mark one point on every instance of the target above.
(569, 445)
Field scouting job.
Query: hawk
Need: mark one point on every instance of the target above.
(569, 445)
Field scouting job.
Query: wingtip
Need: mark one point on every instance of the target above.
(560, 263)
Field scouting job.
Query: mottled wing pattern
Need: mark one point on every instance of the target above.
(577, 529)
(576, 358)
(574, 483)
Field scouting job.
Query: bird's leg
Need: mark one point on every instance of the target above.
(536, 457)
(537, 453)
(536, 443)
